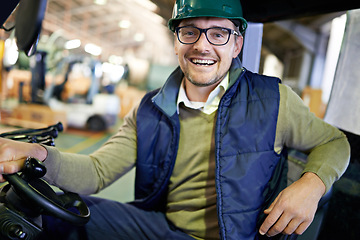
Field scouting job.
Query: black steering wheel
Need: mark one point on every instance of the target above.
(33, 196)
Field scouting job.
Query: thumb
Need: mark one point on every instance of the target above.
(270, 208)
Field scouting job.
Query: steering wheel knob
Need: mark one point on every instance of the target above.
(33, 169)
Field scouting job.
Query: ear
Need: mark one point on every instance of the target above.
(238, 45)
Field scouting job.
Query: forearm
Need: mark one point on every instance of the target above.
(89, 174)
(71, 172)
(297, 128)
(329, 161)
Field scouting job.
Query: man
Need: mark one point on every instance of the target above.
(209, 148)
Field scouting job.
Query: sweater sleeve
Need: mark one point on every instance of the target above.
(88, 174)
(327, 147)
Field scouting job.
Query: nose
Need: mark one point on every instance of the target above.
(202, 43)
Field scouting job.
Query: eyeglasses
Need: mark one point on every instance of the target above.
(215, 35)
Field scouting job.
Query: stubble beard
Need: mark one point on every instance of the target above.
(204, 84)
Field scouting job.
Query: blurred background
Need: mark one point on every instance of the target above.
(90, 49)
(95, 59)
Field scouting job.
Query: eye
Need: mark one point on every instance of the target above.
(188, 32)
(218, 33)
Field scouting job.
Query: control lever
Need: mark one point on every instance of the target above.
(53, 129)
(27, 196)
(33, 169)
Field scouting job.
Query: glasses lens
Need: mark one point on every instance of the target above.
(188, 34)
(218, 36)
(215, 35)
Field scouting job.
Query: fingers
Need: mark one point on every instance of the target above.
(285, 225)
(11, 166)
(2, 178)
(270, 220)
(288, 225)
(11, 150)
(287, 221)
(270, 208)
(296, 226)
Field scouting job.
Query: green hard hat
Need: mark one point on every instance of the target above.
(230, 9)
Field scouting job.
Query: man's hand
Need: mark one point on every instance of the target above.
(294, 208)
(14, 153)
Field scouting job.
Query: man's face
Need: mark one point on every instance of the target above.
(205, 64)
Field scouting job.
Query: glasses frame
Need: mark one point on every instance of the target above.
(204, 30)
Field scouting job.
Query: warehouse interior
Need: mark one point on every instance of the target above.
(95, 60)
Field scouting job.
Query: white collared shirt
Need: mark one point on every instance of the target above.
(212, 103)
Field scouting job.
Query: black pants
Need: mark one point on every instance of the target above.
(112, 220)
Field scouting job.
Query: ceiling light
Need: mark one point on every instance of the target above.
(124, 24)
(139, 37)
(11, 54)
(116, 59)
(93, 49)
(100, 2)
(72, 44)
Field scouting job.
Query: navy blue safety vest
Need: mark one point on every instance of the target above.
(249, 174)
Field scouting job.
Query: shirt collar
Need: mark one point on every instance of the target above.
(212, 102)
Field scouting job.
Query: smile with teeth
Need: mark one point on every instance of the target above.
(202, 62)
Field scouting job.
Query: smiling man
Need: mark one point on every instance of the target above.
(205, 59)
(209, 148)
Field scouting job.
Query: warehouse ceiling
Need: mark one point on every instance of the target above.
(120, 27)
(138, 27)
